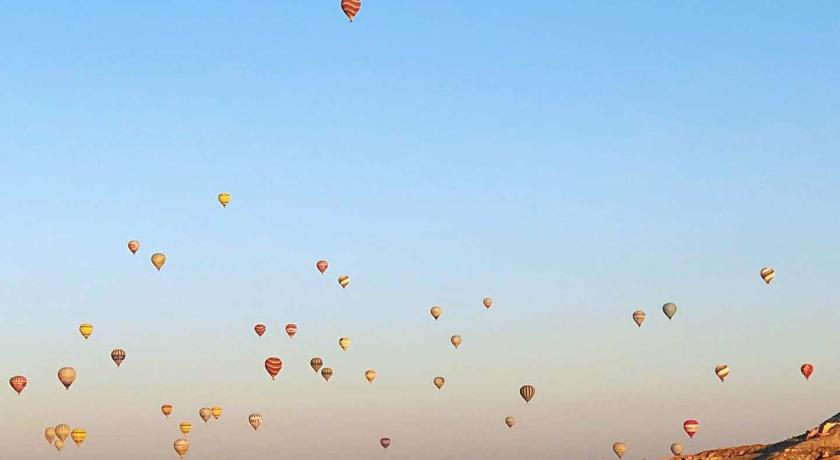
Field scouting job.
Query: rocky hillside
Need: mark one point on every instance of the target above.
(820, 442)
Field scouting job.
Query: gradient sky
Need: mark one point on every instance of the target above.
(574, 161)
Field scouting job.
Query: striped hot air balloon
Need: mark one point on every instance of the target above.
(722, 371)
(49, 434)
(291, 329)
(185, 428)
(62, 431)
(691, 426)
(273, 366)
(255, 420)
(326, 373)
(527, 392)
(767, 274)
(351, 8)
(259, 329)
(619, 448)
(807, 370)
(639, 317)
(343, 281)
(216, 411)
(18, 383)
(118, 355)
(78, 435)
(181, 447)
(316, 364)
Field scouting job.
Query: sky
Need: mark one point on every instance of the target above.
(575, 162)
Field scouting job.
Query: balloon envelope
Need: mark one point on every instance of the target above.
(488, 302)
(204, 413)
(62, 431)
(133, 246)
(527, 392)
(807, 370)
(78, 435)
(322, 266)
(316, 364)
(722, 371)
(181, 447)
(158, 259)
(273, 365)
(86, 330)
(259, 329)
(255, 420)
(326, 373)
(639, 317)
(291, 329)
(767, 274)
(370, 375)
(216, 411)
(691, 426)
(344, 343)
(67, 375)
(436, 311)
(343, 281)
(619, 448)
(439, 381)
(224, 199)
(669, 309)
(510, 421)
(676, 448)
(385, 442)
(351, 8)
(118, 356)
(166, 409)
(49, 434)
(18, 383)
(456, 340)
(185, 427)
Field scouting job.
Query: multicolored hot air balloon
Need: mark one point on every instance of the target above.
(118, 355)
(326, 373)
(62, 431)
(456, 341)
(691, 426)
(59, 444)
(344, 343)
(722, 371)
(133, 246)
(322, 266)
(316, 364)
(255, 420)
(259, 329)
(291, 330)
(639, 317)
(204, 413)
(807, 370)
(669, 309)
(49, 434)
(439, 381)
(488, 302)
(273, 365)
(18, 383)
(224, 199)
(216, 411)
(510, 421)
(767, 274)
(385, 442)
(343, 281)
(86, 329)
(166, 409)
(370, 375)
(351, 8)
(436, 311)
(67, 375)
(158, 259)
(619, 448)
(181, 447)
(676, 449)
(78, 435)
(527, 392)
(185, 428)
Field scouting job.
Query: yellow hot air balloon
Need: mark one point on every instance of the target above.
(78, 435)
(224, 199)
(767, 274)
(86, 329)
(185, 427)
(343, 281)
(216, 411)
(49, 434)
(181, 447)
(62, 431)
(722, 371)
(619, 448)
(439, 381)
(456, 340)
(204, 413)
(67, 375)
(344, 343)
(59, 444)
(158, 259)
(370, 375)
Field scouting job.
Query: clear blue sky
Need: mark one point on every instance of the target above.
(574, 161)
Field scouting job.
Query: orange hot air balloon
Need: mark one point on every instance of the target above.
(67, 375)
(49, 434)
(291, 329)
(527, 392)
(351, 8)
(639, 317)
(807, 370)
(385, 442)
(273, 366)
(181, 447)
(370, 375)
(722, 371)
(488, 302)
(216, 411)
(436, 311)
(259, 329)
(62, 431)
(18, 383)
(158, 259)
(439, 381)
(322, 266)
(326, 373)
(691, 426)
(204, 413)
(767, 274)
(343, 281)
(166, 409)
(510, 421)
(133, 246)
(118, 355)
(316, 364)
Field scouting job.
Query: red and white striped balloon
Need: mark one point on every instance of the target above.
(691, 427)
(351, 8)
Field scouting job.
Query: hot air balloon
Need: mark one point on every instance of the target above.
(86, 329)
(259, 329)
(456, 340)
(133, 246)
(62, 431)
(767, 274)
(343, 281)
(166, 409)
(439, 381)
(78, 435)
(316, 364)
(370, 375)
(344, 343)
(510, 421)
(49, 434)
(322, 266)
(488, 302)
(59, 444)
(181, 447)
(255, 420)
(216, 411)
(527, 392)
(118, 355)
(273, 366)
(351, 8)
(185, 428)
(619, 448)
(669, 309)
(385, 442)
(722, 371)
(204, 413)
(639, 317)
(691, 427)
(224, 199)
(807, 370)
(436, 311)
(18, 383)
(291, 329)
(676, 449)
(326, 373)
(67, 375)
(158, 259)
